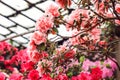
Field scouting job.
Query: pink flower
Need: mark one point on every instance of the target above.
(75, 40)
(117, 8)
(44, 54)
(4, 46)
(101, 8)
(76, 16)
(63, 3)
(84, 76)
(95, 33)
(23, 56)
(86, 65)
(31, 46)
(16, 77)
(117, 22)
(96, 73)
(44, 65)
(62, 77)
(2, 76)
(44, 23)
(38, 37)
(33, 75)
(69, 54)
(1, 58)
(27, 66)
(74, 78)
(102, 43)
(107, 72)
(52, 10)
(35, 56)
(111, 64)
(46, 77)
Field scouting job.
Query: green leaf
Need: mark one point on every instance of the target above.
(11, 41)
(101, 62)
(55, 29)
(82, 58)
(41, 47)
(108, 66)
(52, 75)
(69, 74)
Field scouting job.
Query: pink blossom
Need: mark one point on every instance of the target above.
(33, 75)
(16, 76)
(102, 43)
(77, 15)
(2, 76)
(46, 77)
(117, 22)
(86, 65)
(44, 23)
(69, 54)
(75, 40)
(63, 3)
(95, 33)
(52, 10)
(101, 8)
(108, 14)
(22, 56)
(1, 58)
(4, 46)
(31, 46)
(107, 72)
(27, 66)
(35, 56)
(62, 77)
(111, 63)
(117, 8)
(74, 78)
(84, 76)
(44, 65)
(38, 37)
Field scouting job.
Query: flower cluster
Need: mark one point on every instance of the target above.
(85, 55)
(80, 57)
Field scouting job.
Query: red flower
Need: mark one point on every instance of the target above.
(69, 54)
(84, 76)
(2, 76)
(22, 55)
(62, 77)
(33, 75)
(16, 77)
(46, 77)
(1, 58)
(64, 3)
(117, 8)
(96, 73)
(74, 78)
(27, 66)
